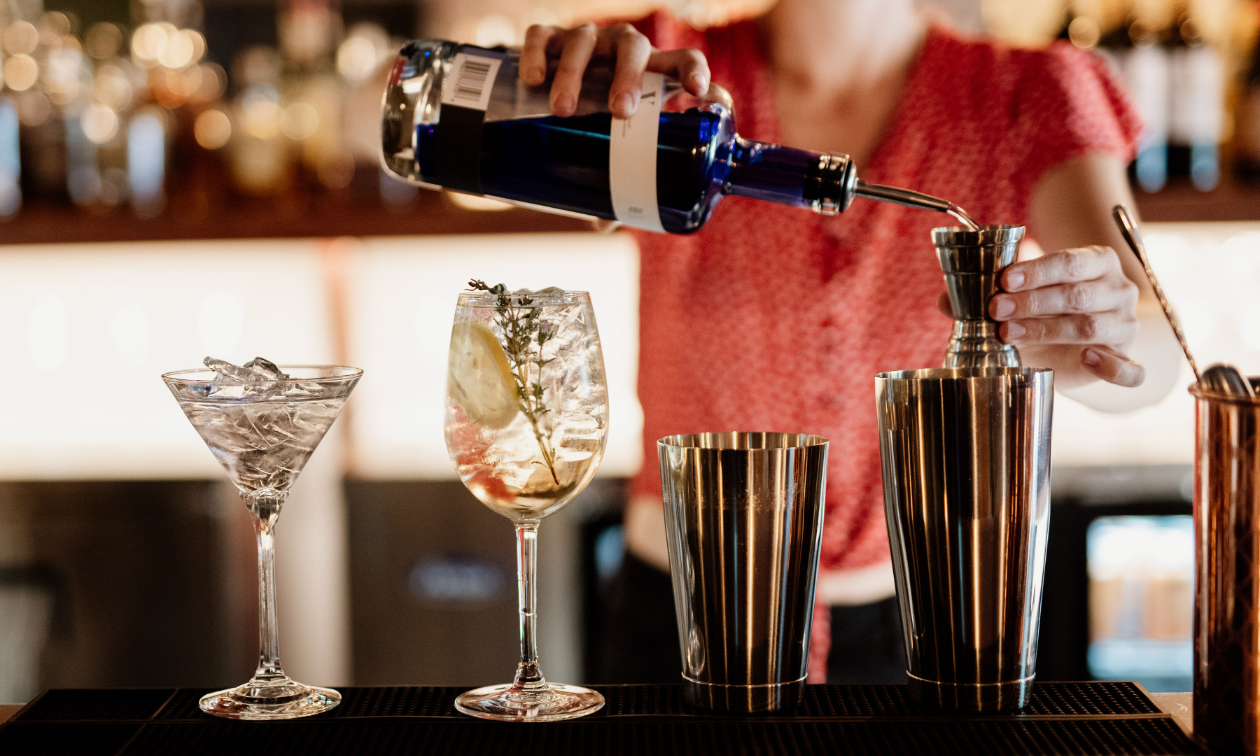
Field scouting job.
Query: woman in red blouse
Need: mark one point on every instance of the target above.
(776, 319)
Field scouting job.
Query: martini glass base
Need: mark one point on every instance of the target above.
(506, 703)
(284, 700)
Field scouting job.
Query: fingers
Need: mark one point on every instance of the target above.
(1091, 328)
(630, 50)
(1112, 366)
(538, 38)
(687, 66)
(942, 304)
(1065, 266)
(1100, 295)
(578, 46)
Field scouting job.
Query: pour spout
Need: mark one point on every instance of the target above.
(908, 198)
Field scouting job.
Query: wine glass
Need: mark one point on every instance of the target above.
(526, 425)
(263, 431)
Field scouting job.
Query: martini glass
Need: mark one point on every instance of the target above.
(526, 426)
(263, 433)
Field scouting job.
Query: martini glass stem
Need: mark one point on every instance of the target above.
(266, 509)
(529, 677)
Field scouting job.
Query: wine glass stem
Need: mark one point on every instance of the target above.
(528, 675)
(266, 510)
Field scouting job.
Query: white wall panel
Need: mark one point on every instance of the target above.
(87, 330)
(400, 309)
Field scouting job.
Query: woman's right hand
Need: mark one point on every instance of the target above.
(631, 52)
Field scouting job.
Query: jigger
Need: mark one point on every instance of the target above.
(966, 464)
(973, 261)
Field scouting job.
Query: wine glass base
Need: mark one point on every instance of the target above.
(287, 700)
(507, 704)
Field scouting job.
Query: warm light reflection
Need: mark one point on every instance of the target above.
(103, 41)
(20, 38)
(299, 121)
(99, 122)
(212, 129)
(20, 72)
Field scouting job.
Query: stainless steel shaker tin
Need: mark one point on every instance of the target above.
(743, 516)
(1227, 572)
(966, 463)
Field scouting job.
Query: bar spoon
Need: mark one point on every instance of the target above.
(1219, 378)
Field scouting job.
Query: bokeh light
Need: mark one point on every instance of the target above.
(20, 72)
(103, 41)
(300, 120)
(20, 38)
(99, 122)
(212, 129)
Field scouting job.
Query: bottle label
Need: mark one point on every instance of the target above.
(632, 159)
(466, 90)
(470, 81)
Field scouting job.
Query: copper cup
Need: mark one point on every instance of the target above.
(1227, 572)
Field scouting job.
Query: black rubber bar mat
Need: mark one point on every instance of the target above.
(1063, 718)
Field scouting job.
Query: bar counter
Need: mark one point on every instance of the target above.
(1063, 718)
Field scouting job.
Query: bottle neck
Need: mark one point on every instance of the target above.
(822, 182)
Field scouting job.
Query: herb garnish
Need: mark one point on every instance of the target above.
(524, 338)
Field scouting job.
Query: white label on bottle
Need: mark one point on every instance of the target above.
(632, 159)
(469, 81)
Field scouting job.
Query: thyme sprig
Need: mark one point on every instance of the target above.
(524, 338)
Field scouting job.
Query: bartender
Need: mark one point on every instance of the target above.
(776, 319)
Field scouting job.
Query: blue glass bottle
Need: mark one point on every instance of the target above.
(514, 150)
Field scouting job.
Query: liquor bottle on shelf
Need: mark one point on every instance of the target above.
(1196, 105)
(1134, 49)
(1247, 123)
(456, 116)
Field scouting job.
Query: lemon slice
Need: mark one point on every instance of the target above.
(479, 378)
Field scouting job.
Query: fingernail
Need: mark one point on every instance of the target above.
(624, 105)
(700, 82)
(1090, 357)
(565, 104)
(1002, 307)
(1014, 279)
(538, 74)
(1014, 331)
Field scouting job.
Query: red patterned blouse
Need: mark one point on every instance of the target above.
(777, 319)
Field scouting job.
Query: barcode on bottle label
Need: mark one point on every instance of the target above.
(632, 159)
(469, 81)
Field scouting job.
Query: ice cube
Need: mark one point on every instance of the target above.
(258, 379)
(265, 369)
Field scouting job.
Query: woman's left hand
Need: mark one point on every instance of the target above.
(1074, 311)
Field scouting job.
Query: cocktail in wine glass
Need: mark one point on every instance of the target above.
(526, 425)
(262, 423)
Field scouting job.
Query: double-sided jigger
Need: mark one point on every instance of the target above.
(973, 261)
(965, 451)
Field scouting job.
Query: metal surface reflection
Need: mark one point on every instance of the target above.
(966, 462)
(1227, 572)
(743, 515)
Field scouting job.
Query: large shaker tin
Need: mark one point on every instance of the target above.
(1227, 572)
(966, 466)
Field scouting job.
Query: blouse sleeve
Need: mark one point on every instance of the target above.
(1070, 104)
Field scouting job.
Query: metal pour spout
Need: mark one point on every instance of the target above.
(913, 199)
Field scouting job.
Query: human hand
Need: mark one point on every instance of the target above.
(1074, 311)
(632, 54)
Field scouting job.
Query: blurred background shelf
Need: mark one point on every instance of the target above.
(430, 213)
(1174, 204)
